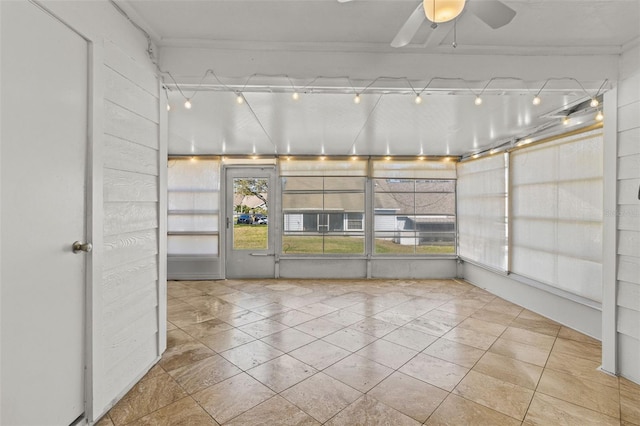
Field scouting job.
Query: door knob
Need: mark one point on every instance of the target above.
(77, 247)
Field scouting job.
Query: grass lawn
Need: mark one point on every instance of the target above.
(386, 246)
(313, 244)
(249, 237)
(253, 237)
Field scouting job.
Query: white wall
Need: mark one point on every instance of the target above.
(628, 216)
(127, 288)
(131, 191)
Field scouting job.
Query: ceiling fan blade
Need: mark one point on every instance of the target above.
(410, 28)
(494, 13)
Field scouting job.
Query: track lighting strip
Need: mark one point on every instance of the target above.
(407, 87)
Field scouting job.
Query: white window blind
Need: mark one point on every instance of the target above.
(309, 167)
(414, 169)
(482, 211)
(557, 213)
(193, 204)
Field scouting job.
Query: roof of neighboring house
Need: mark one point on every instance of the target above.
(250, 201)
(432, 219)
(305, 193)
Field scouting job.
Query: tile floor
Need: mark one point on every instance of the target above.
(377, 352)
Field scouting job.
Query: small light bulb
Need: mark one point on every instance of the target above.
(594, 102)
(322, 158)
(565, 120)
(418, 99)
(168, 107)
(187, 104)
(387, 158)
(599, 116)
(421, 158)
(354, 158)
(537, 100)
(478, 100)
(356, 99)
(239, 99)
(295, 96)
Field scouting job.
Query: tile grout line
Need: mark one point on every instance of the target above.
(572, 375)
(460, 396)
(412, 297)
(535, 391)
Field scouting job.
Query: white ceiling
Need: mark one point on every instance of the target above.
(391, 124)
(306, 39)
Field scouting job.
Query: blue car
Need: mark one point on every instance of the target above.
(244, 218)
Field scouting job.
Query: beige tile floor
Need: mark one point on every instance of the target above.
(400, 352)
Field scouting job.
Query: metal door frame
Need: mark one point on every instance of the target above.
(226, 240)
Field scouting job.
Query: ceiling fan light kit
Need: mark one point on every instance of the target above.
(438, 11)
(494, 13)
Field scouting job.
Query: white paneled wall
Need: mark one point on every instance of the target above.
(127, 286)
(628, 217)
(131, 219)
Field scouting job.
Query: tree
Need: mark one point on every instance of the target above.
(257, 187)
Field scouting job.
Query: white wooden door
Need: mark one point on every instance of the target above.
(250, 248)
(43, 181)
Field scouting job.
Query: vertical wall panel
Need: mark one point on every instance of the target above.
(131, 286)
(628, 217)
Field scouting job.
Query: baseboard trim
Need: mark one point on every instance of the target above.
(571, 312)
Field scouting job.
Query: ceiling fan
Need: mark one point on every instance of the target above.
(494, 13)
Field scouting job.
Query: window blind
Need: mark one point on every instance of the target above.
(193, 207)
(557, 213)
(415, 169)
(482, 211)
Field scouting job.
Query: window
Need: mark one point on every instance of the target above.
(355, 221)
(193, 207)
(557, 213)
(414, 216)
(482, 211)
(323, 204)
(414, 207)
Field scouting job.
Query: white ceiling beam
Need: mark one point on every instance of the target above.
(189, 64)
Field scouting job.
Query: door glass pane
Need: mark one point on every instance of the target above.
(250, 213)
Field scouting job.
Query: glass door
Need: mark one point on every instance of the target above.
(249, 236)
